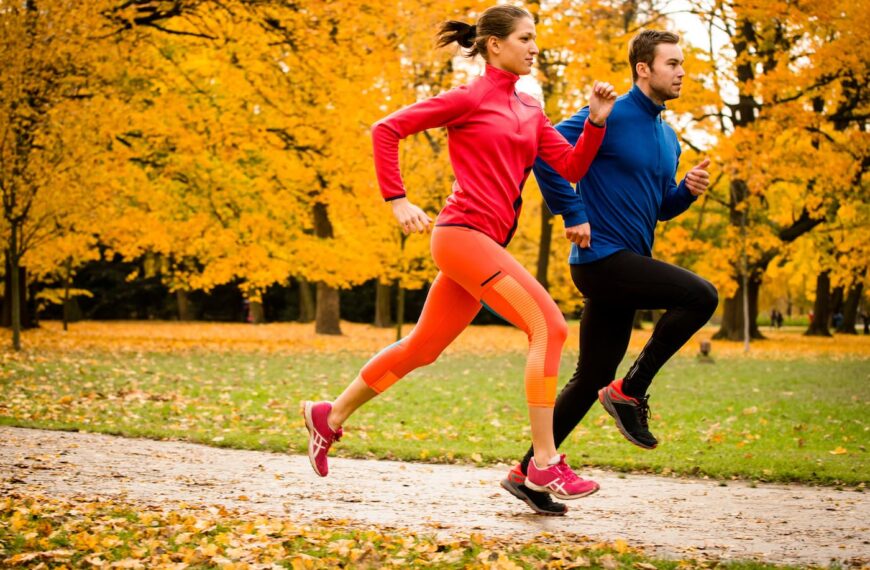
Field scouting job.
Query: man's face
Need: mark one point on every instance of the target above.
(665, 77)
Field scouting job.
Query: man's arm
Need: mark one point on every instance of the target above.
(559, 195)
(676, 201)
(678, 197)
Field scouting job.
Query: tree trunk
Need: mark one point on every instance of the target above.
(850, 308)
(383, 319)
(732, 327)
(15, 288)
(258, 315)
(544, 247)
(836, 304)
(400, 311)
(66, 286)
(327, 311)
(185, 307)
(822, 306)
(24, 318)
(306, 302)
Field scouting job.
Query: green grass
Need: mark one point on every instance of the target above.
(772, 420)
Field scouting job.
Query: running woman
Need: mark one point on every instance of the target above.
(494, 135)
(630, 185)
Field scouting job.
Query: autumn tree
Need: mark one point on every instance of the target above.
(789, 65)
(248, 136)
(49, 69)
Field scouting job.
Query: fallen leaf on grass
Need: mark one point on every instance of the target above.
(25, 557)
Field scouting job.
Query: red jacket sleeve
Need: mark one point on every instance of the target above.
(439, 111)
(570, 162)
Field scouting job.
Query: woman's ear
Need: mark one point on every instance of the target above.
(493, 45)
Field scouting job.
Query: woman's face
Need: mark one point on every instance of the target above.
(517, 52)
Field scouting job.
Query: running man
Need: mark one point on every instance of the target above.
(629, 187)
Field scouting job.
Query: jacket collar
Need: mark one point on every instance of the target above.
(644, 102)
(501, 78)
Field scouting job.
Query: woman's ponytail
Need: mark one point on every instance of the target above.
(459, 32)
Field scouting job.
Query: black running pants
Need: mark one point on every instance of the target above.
(615, 287)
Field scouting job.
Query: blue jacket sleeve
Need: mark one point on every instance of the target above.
(558, 194)
(677, 198)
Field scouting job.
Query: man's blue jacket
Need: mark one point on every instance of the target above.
(630, 185)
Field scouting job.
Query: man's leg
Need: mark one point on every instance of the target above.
(690, 302)
(651, 284)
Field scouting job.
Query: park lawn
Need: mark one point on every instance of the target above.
(783, 418)
(42, 532)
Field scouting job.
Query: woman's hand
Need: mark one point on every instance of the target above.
(411, 218)
(601, 102)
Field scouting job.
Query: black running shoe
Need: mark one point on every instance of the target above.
(631, 414)
(539, 502)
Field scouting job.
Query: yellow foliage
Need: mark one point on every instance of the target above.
(237, 147)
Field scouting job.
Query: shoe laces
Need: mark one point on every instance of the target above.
(565, 473)
(643, 411)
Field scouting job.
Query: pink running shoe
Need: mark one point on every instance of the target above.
(320, 435)
(559, 481)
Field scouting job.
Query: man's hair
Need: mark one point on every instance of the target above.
(642, 48)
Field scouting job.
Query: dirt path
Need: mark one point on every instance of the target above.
(667, 517)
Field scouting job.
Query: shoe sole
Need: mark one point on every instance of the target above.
(309, 425)
(510, 488)
(535, 487)
(605, 400)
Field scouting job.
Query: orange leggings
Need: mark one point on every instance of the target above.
(475, 268)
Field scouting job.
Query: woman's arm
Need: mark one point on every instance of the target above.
(439, 111)
(572, 162)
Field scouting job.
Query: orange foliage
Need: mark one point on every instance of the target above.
(364, 340)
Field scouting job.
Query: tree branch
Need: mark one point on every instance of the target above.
(799, 227)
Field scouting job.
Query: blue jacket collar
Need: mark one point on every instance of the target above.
(645, 102)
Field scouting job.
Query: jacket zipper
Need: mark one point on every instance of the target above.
(517, 115)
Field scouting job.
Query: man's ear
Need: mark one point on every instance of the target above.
(642, 69)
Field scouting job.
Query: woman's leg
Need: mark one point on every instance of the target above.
(489, 273)
(446, 313)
